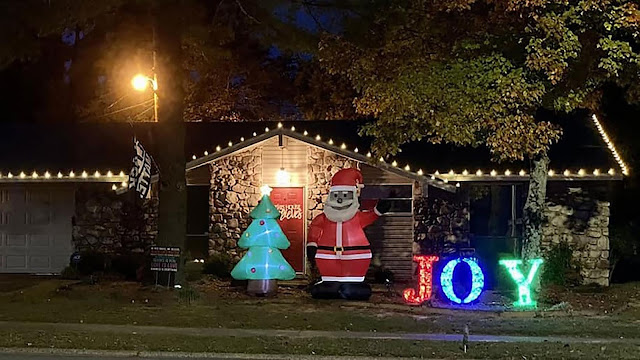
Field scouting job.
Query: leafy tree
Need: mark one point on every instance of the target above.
(482, 72)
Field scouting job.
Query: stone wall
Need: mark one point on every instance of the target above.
(441, 223)
(322, 166)
(235, 190)
(111, 223)
(580, 219)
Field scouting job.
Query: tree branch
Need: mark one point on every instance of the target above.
(246, 13)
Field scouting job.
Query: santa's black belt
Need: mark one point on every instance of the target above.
(345, 248)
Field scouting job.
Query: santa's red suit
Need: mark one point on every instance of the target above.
(344, 253)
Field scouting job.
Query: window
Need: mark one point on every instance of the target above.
(401, 197)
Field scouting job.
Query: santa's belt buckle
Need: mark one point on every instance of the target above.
(338, 249)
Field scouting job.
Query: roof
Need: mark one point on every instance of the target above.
(108, 146)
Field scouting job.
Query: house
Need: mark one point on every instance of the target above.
(445, 200)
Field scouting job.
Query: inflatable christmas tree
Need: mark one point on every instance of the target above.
(263, 263)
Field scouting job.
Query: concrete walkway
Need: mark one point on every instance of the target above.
(224, 332)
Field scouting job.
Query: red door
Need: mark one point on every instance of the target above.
(290, 204)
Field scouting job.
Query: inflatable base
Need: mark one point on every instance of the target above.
(341, 290)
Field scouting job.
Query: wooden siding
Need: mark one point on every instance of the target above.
(293, 156)
(391, 239)
(375, 176)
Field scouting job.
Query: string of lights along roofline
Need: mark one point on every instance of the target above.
(465, 173)
(59, 175)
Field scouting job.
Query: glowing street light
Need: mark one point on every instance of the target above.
(140, 83)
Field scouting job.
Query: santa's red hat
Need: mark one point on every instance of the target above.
(349, 179)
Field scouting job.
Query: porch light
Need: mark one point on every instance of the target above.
(218, 148)
(265, 190)
(283, 177)
(493, 173)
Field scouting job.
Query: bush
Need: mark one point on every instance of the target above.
(70, 273)
(92, 262)
(188, 295)
(218, 265)
(193, 271)
(559, 266)
(127, 265)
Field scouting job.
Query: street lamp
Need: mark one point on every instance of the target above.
(140, 83)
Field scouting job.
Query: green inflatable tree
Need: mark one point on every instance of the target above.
(263, 263)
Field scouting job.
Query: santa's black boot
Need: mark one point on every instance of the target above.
(325, 290)
(355, 291)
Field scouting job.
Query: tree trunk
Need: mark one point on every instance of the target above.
(534, 207)
(172, 212)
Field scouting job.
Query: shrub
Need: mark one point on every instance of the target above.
(559, 266)
(193, 271)
(218, 265)
(127, 265)
(92, 262)
(70, 273)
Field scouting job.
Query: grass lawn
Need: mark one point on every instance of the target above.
(54, 300)
(345, 347)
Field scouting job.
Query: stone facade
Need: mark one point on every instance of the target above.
(111, 223)
(235, 190)
(441, 223)
(580, 219)
(322, 166)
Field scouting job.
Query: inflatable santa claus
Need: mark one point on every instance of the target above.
(337, 244)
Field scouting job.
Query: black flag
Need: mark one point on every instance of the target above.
(140, 176)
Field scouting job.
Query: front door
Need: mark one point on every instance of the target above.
(290, 203)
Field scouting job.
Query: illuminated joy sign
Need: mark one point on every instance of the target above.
(425, 280)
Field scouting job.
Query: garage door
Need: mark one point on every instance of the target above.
(35, 228)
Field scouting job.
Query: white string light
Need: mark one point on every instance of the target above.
(465, 172)
(343, 146)
(610, 145)
(394, 163)
(494, 173)
(551, 173)
(218, 148)
(305, 133)
(566, 173)
(420, 172)
(47, 175)
(206, 153)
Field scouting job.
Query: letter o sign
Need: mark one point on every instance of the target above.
(477, 280)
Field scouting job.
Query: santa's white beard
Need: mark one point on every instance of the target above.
(341, 215)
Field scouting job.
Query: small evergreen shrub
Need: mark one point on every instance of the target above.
(193, 271)
(70, 273)
(218, 265)
(188, 295)
(559, 267)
